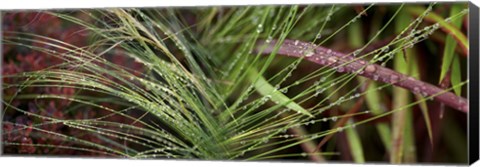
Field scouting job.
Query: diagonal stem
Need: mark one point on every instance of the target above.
(344, 63)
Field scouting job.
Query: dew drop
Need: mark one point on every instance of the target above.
(370, 68)
(357, 95)
(309, 53)
(334, 118)
(328, 18)
(416, 90)
(351, 97)
(269, 39)
(356, 53)
(394, 78)
(323, 79)
(274, 27)
(410, 45)
(321, 90)
(322, 61)
(329, 51)
(386, 49)
(260, 28)
(360, 71)
(332, 60)
(340, 69)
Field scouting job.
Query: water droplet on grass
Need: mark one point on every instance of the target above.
(332, 60)
(269, 39)
(386, 49)
(409, 45)
(370, 68)
(334, 118)
(321, 90)
(274, 27)
(309, 53)
(260, 28)
(394, 78)
(329, 51)
(357, 95)
(322, 79)
(356, 53)
(416, 90)
(340, 69)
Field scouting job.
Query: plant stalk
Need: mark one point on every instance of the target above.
(349, 64)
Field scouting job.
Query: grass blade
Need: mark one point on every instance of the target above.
(450, 44)
(266, 89)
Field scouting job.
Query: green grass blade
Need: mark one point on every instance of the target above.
(450, 44)
(373, 100)
(400, 99)
(355, 145)
(452, 30)
(456, 76)
(266, 89)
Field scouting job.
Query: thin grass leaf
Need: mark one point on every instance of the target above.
(456, 75)
(355, 145)
(401, 98)
(446, 26)
(373, 100)
(266, 89)
(450, 44)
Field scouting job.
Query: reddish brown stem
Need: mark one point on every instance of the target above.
(344, 63)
